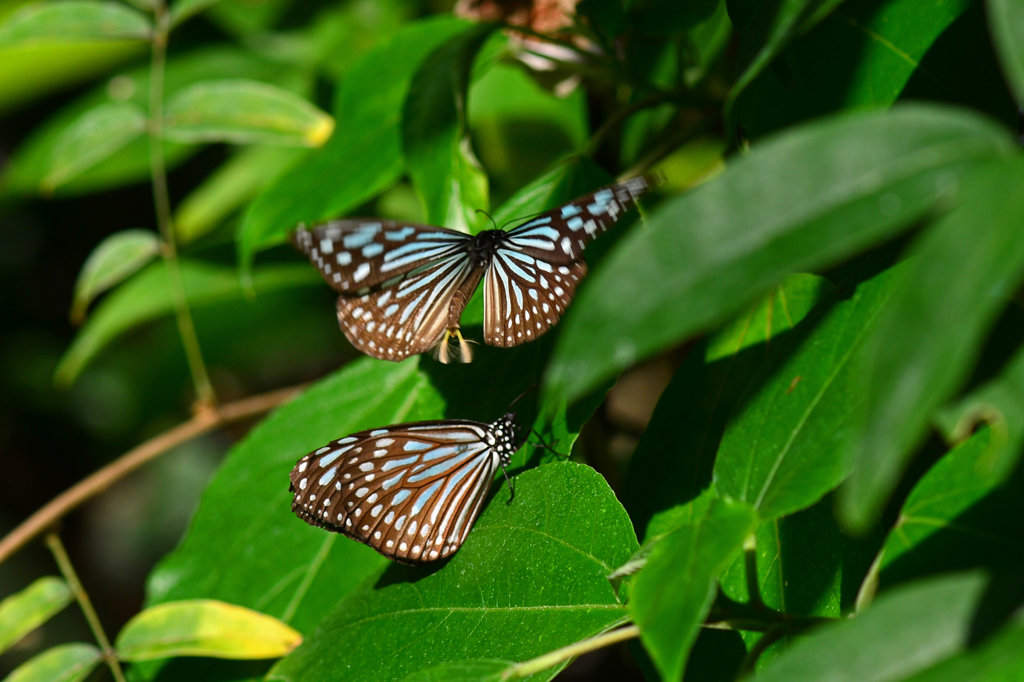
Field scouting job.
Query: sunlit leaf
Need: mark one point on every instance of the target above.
(23, 612)
(98, 134)
(537, 565)
(204, 627)
(64, 663)
(244, 112)
(74, 20)
(804, 200)
(673, 592)
(1006, 19)
(961, 271)
(110, 263)
(148, 297)
(999, 659)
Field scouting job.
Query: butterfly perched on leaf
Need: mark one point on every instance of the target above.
(410, 491)
(403, 287)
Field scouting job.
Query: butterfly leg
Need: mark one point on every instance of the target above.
(465, 352)
(511, 486)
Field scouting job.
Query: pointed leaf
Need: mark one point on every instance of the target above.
(511, 575)
(74, 20)
(110, 263)
(23, 612)
(931, 332)
(64, 663)
(244, 112)
(92, 138)
(673, 593)
(440, 160)
(204, 627)
(148, 297)
(999, 659)
(905, 631)
(823, 192)
(364, 157)
(1006, 19)
(788, 445)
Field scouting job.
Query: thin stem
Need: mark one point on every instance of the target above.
(93, 485)
(536, 665)
(61, 556)
(750, 570)
(868, 587)
(205, 396)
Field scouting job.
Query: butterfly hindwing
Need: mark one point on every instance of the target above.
(525, 296)
(410, 491)
(353, 255)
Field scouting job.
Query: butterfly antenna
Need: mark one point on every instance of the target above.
(511, 486)
(480, 210)
(544, 444)
(516, 220)
(523, 394)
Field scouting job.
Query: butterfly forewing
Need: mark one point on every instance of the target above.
(406, 317)
(525, 296)
(560, 235)
(353, 255)
(411, 491)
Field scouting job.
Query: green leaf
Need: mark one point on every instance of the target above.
(230, 187)
(476, 670)
(673, 593)
(97, 135)
(961, 271)
(860, 57)
(148, 297)
(766, 28)
(64, 663)
(244, 112)
(184, 9)
(204, 627)
(31, 161)
(74, 20)
(788, 445)
(666, 470)
(957, 515)
(999, 659)
(537, 566)
(363, 157)
(1006, 21)
(439, 157)
(23, 612)
(907, 630)
(804, 200)
(115, 259)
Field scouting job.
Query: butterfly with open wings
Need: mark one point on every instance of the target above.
(403, 287)
(410, 491)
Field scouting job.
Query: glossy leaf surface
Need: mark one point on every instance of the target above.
(64, 663)
(115, 259)
(23, 612)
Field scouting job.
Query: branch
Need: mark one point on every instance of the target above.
(93, 485)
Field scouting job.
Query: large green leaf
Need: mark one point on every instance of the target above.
(804, 200)
(64, 663)
(1000, 659)
(440, 160)
(97, 135)
(28, 166)
(962, 269)
(112, 261)
(958, 515)
(536, 566)
(23, 612)
(1006, 19)
(244, 112)
(147, 297)
(788, 446)
(673, 461)
(364, 156)
(74, 20)
(672, 594)
(907, 630)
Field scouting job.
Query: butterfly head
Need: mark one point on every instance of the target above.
(484, 244)
(505, 432)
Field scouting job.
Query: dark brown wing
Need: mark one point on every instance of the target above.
(525, 296)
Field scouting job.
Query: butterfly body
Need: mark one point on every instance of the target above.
(411, 491)
(403, 287)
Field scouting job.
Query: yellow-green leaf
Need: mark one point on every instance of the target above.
(244, 112)
(110, 263)
(65, 663)
(23, 612)
(74, 20)
(204, 627)
(96, 135)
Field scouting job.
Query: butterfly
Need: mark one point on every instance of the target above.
(403, 287)
(411, 491)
